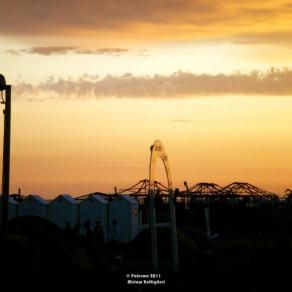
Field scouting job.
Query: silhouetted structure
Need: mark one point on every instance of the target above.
(6, 154)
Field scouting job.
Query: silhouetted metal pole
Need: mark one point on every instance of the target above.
(152, 224)
(6, 158)
(173, 230)
(207, 221)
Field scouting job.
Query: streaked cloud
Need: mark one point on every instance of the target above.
(59, 50)
(176, 85)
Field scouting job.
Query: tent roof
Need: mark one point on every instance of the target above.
(67, 198)
(37, 198)
(129, 199)
(12, 201)
(97, 198)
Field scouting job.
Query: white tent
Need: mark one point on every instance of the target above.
(64, 209)
(12, 208)
(124, 209)
(33, 205)
(95, 208)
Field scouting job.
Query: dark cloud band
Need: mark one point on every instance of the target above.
(166, 19)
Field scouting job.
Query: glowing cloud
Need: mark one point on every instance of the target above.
(179, 84)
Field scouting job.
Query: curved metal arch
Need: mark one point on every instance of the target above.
(158, 151)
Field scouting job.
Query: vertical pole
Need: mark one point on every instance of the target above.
(153, 231)
(173, 230)
(6, 162)
(108, 238)
(207, 221)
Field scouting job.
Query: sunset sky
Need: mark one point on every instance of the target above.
(95, 82)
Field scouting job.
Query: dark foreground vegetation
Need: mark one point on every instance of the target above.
(250, 251)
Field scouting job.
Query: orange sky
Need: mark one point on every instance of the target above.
(96, 82)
